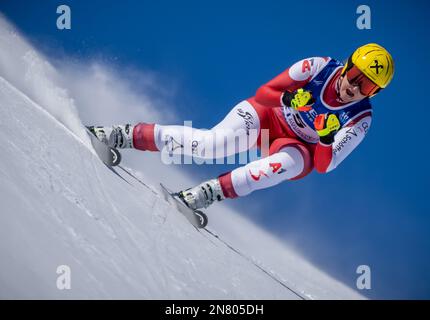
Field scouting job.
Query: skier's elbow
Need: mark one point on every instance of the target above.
(261, 90)
(260, 94)
(321, 168)
(266, 96)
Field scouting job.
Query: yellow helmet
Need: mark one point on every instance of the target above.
(374, 61)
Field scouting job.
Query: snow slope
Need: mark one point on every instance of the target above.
(62, 206)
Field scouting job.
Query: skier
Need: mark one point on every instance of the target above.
(316, 112)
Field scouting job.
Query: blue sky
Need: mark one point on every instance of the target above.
(373, 208)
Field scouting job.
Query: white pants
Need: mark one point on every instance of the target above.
(237, 132)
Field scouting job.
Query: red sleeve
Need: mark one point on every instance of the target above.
(295, 77)
(322, 157)
(270, 93)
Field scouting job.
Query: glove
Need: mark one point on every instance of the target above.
(299, 99)
(326, 126)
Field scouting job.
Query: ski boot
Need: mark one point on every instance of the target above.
(203, 195)
(194, 199)
(117, 136)
(189, 201)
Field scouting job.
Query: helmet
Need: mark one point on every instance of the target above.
(374, 61)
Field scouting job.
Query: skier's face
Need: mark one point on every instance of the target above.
(349, 92)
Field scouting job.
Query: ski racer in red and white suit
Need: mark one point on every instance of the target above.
(295, 146)
(310, 116)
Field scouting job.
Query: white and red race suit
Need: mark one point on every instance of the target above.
(295, 148)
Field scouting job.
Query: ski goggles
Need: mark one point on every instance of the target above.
(357, 78)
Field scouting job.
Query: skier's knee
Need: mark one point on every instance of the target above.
(282, 144)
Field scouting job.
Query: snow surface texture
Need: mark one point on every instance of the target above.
(62, 206)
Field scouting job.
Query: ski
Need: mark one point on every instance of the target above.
(110, 156)
(196, 217)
